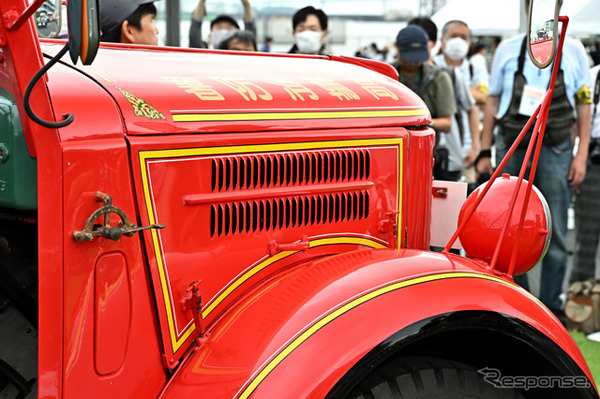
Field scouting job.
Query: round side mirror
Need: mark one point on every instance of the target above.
(84, 30)
(543, 32)
(48, 18)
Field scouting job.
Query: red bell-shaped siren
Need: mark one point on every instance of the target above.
(482, 232)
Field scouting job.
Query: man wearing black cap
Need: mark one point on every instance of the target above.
(128, 21)
(430, 82)
(220, 27)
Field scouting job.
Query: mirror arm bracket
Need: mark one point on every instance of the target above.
(20, 20)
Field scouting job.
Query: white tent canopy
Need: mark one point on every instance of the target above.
(585, 20)
(484, 17)
(502, 18)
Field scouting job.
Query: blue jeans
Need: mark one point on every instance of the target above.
(551, 179)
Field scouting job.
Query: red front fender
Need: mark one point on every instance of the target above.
(297, 334)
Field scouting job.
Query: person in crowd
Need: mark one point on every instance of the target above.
(374, 52)
(239, 40)
(587, 200)
(219, 27)
(478, 57)
(309, 27)
(464, 123)
(128, 21)
(456, 38)
(266, 48)
(432, 32)
(455, 42)
(558, 170)
(595, 53)
(434, 86)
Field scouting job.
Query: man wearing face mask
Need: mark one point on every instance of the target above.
(310, 30)
(456, 38)
(455, 46)
(220, 27)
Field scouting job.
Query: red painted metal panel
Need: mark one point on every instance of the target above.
(417, 207)
(192, 186)
(96, 114)
(112, 303)
(172, 92)
(88, 167)
(314, 321)
(20, 61)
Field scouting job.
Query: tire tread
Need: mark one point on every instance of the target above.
(417, 377)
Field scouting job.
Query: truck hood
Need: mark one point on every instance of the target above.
(170, 90)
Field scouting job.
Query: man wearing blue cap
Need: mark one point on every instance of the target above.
(128, 21)
(431, 83)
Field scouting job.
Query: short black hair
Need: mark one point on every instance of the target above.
(134, 19)
(224, 18)
(428, 26)
(243, 36)
(303, 13)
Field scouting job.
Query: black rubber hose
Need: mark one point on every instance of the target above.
(53, 125)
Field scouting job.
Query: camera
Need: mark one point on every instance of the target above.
(595, 150)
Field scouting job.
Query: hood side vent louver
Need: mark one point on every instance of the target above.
(283, 170)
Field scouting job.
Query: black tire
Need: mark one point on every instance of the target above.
(427, 378)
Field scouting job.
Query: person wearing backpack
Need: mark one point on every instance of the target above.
(434, 86)
(587, 200)
(456, 37)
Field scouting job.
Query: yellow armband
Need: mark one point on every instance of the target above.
(482, 87)
(583, 96)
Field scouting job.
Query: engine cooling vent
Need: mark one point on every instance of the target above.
(280, 170)
(310, 170)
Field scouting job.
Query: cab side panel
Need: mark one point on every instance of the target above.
(110, 336)
(111, 344)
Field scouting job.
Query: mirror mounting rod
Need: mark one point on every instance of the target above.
(16, 24)
(532, 153)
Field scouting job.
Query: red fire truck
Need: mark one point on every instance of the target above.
(186, 223)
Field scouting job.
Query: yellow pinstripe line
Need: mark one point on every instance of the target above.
(345, 308)
(258, 148)
(281, 255)
(255, 116)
